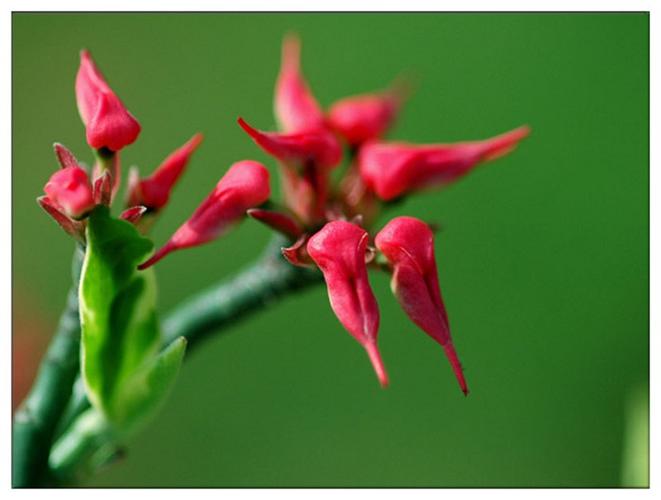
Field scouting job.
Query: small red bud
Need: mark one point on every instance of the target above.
(108, 123)
(69, 190)
(244, 186)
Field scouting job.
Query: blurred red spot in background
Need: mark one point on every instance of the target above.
(29, 339)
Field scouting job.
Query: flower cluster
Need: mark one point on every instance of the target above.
(330, 223)
(109, 127)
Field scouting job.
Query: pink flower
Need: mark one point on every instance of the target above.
(244, 186)
(317, 147)
(339, 250)
(362, 118)
(296, 109)
(108, 123)
(408, 244)
(69, 190)
(153, 192)
(392, 169)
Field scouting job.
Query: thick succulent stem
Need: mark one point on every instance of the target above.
(257, 286)
(36, 419)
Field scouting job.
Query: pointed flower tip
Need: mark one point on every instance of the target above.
(451, 354)
(251, 131)
(501, 145)
(377, 364)
(154, 191)
(402, 87)
(196, 140)
(291, 51)
(162, 252)
(133, 214)
(64, 157)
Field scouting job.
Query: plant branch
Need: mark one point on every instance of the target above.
(36, 420)
(254, 288)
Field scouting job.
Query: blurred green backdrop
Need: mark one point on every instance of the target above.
(543, 257)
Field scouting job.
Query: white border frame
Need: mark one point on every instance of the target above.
(300, 5)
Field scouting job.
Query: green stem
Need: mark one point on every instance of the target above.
(36, 420)
(254, 288)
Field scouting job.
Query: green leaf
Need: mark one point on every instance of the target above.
(149, 387)
(120, 337)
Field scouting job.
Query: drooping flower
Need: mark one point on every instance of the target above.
(365, 117)
(69, 190)
(339, 250)
(108, 123)
(154, 191)
(296, 109)
(244, 186)
(408, 244)
(392, 169)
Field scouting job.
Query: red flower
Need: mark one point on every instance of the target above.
(339, 250)
(69, 190)
(396, 168)
(153, 192)
(296, 109)
(306, 159)
(318, 147)
(408, 244)
(362, 118)
(108, 123)
(244, 186)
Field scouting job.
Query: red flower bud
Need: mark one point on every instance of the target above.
(133, 214)
(277, 220)
(70, 191)
(297, 253)
(365, 117)
(64, 157)
(153, 192)
(408, 244)
(295, 107)
(319, 147)
(339, 250)
(108, 122)
(102, 189)
(72, 227)
(244, 186)
(394, 169)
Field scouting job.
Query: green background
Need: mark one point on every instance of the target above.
(543, 257)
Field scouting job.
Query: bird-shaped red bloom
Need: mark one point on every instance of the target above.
(107, 122)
